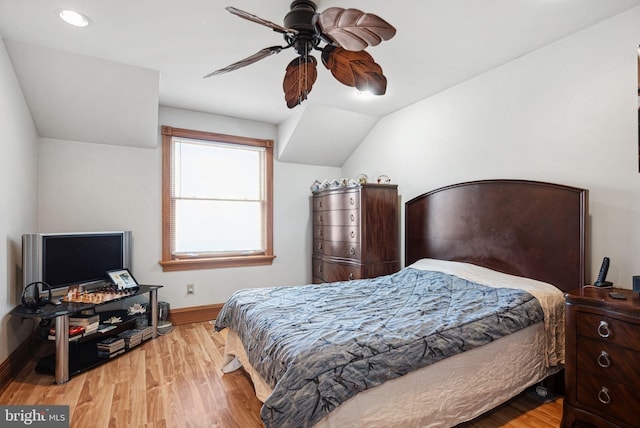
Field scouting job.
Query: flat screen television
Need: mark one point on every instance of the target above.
(64, 259)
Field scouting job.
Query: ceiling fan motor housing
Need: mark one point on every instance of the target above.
(300, 18)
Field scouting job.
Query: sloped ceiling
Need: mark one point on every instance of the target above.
(138, 54)
(81, 98)
(321, 135)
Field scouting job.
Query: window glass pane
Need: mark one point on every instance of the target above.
(217, 200)
(212, 226)
(217, 172)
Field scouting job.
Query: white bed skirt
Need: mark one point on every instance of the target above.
(443, 394)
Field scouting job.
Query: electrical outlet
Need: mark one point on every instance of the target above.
(190, 289)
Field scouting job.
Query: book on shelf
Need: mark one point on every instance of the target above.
(111, 351)
(111, 344)
(91, 328)
(75, 332)
(131, 337)
(147, 333)
(71, 338)
(103, 328)
(84, 320)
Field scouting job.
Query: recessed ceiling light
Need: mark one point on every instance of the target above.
(74, 18)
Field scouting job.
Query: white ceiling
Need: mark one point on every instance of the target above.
(141, 53)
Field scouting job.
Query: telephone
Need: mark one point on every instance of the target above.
(602, 275)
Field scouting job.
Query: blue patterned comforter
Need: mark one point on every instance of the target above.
(318, 345)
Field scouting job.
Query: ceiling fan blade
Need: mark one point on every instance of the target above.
(357, 69)
(299, 79)
(254, 18)
(353, 29)
(262, 53)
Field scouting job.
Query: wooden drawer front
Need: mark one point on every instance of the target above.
(336, 218)
(336, 201)
(337, 233)
(347, 250)
(607, 398)
(334, 271)
(608, 329)
(342, 272)
(610, 361)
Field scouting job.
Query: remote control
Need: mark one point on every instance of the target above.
(619, 296)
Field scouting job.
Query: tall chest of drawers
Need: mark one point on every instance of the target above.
(355, 232)
(602, 369)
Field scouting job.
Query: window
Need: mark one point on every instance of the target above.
(217, 200)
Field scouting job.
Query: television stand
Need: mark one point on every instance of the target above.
(61, 312)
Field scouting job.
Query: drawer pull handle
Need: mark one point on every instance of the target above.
(352, 201)
(320, 246)
(352, 234)
(603, 395)
(320, 219)
(604, 360)
(350, 277)
(352, 217)
(603, 329)
(319, 232)
(320, 268)
(352, 251)
(320, 204)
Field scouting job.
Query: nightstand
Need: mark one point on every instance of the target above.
(602, 361)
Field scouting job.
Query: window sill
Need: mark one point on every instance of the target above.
(215, 263)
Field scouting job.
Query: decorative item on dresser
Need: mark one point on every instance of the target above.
(355, 232)
(602, 352)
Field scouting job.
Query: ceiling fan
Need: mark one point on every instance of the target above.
(345, 34)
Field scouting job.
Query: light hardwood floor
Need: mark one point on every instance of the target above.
(175, 381)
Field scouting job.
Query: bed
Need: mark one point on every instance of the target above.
(475, 317)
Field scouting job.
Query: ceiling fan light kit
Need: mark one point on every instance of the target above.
(344, 34)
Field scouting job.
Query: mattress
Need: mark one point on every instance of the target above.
(443, 394)
(460, 387)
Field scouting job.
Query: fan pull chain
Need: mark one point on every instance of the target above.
(305, 77)
(306, 71)
(300, 83)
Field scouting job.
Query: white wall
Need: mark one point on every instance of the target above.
(566, 113)
(18, 177)
(86, 187)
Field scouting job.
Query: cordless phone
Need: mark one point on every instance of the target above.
(602, 275)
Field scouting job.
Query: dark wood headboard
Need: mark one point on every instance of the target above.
(524, 228)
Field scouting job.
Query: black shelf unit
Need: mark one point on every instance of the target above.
(83, 352)
(72, 357)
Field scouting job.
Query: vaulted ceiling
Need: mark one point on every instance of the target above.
(104, 83)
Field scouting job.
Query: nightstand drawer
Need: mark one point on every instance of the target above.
(610, 361)
(608, 398)
(608, 329)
